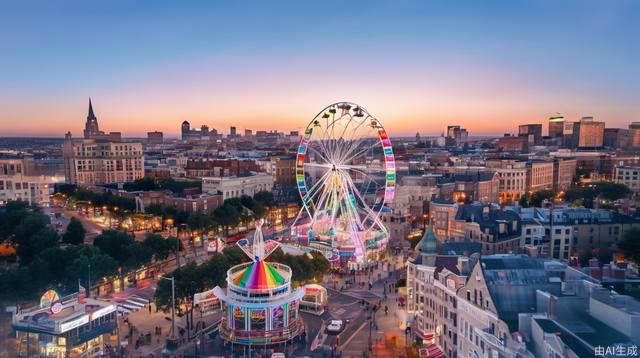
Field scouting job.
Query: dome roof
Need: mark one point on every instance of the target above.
(427, 244)
(259, 275)
(185, 122)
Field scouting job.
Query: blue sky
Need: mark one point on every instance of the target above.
(150, 64)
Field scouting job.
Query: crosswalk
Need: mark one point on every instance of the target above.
(133, 303)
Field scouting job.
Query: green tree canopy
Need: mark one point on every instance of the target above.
(75, 232)
(115, 244)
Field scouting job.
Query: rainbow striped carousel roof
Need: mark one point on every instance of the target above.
(259, 275)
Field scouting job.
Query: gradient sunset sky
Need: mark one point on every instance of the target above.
(416, 65)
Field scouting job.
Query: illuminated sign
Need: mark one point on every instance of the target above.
(56, 307)
(69, 325)
(102, 312)
(51, 300)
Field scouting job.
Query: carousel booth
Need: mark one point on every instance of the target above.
(314, 300)
(259, 306)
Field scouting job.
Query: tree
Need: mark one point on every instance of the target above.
(75, 232)
(13, 214)
(539, 196)
(612, 191)
(605, 190)
(155, 209)
(158, 246)
(32, 237)
(198, 221)
(147, 183)
(304, 267)
(93, 267)
(265, 198)
(524, 200)
(226, 215)
(137, 255)
(630, 244)
(115, 244)
(582, 195)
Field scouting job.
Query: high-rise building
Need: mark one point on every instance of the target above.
(617, 137)
(567, 135)
(154, 137)
(101, 158)
(185, 130)
(98, 161)
(232, 132)
(588, 133)
(556, 126)
(634, 134)
(204, 133)
(533, 132)
(510, 143)
(456, 135)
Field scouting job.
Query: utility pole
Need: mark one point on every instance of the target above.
(177, 250)
(173, 305)
(89, 282)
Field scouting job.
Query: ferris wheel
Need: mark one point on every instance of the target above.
(345, 173)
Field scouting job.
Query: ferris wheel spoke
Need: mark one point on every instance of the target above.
(318, 165)
(356, 142)
(361, 152)
(317, 152)
(329, 138)
(365, 208)
(379, 182)
(316, 186)
(352, 208)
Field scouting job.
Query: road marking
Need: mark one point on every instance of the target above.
(344, 345)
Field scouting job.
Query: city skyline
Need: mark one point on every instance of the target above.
(428, 63)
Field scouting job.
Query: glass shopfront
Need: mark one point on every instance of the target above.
(258, 319)
(278, 317)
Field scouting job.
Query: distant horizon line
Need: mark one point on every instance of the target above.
(426, 135)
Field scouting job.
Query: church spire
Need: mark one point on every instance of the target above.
(91, 128)
(91, 116)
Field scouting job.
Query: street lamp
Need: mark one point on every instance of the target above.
(173, 306)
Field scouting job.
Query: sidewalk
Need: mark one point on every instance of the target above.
(145, 332)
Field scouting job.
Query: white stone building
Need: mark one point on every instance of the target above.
(235, 187)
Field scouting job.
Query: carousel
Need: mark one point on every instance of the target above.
(259, 306)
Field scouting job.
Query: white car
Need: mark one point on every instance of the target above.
(335, 326)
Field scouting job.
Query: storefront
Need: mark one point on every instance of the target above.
(71, 326)
(315, 299)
